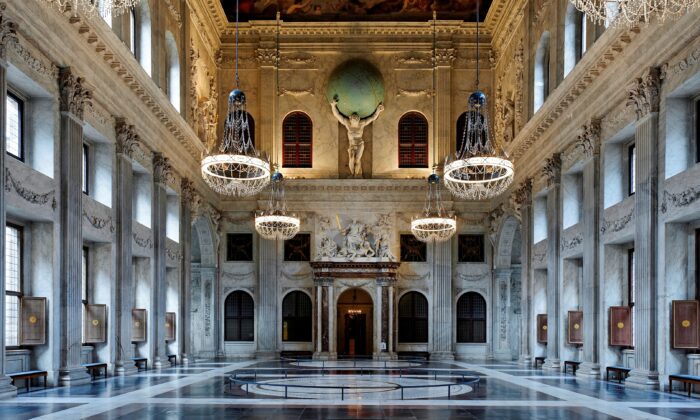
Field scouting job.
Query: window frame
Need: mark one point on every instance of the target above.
(410, 335)
(631, 149)
(472, 320)
(239, 318)
(21, 102)
(697, 264)
(19, 295)
(295, 144)
(85, 285)
(86, 168)
(696, 127)
(631, 287)
(132, 31)
(296, 321)
(413, 119)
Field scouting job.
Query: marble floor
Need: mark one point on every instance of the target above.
(477, 390)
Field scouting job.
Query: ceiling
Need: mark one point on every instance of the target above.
(355, 10)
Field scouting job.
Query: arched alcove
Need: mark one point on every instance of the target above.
(203, 272)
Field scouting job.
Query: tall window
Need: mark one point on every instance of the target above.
(85, 279)
(106, 13)
(631, 285)
(471, 318)
(239, 317)
(573, 33)
(173, 62)
(86, 168)
(413, 318)
(697, 130)
(144, 36)
(296, 317)
(297, 140)
(132, 30)
(631, 168)
(584, 35)
(541, 73)
(13, 283)
(697, 264)
(413, 141)
(13, 128)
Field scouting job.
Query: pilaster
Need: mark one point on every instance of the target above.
(443, 127)
(501, 306)
(322, 350)
(552, 171)
(267, 300)
(523, 197)
(7, 36)
(644, 96)
(442, 302)
(74, 97)
(190, 199)
(267, 59)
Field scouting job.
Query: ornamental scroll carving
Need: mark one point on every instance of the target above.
(523, 195)
(162, 170)
(588, 141)
(617, 224)
(174, 255)
(573, 243)
(127, 140)
(143, 242)
(679, 199)
(643, 93)
(190, 197)
(99, 222)
(28, 195)
(552, 169)
(668, 70)
(8, 32)
(445, 56)
(75, 95)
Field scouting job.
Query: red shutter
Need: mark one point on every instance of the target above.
(32, 330)
(542, 328)
(413, 141)
(575, 327)
(621, 326)
(297, 141)
(170, 326)
(686, 334)
(138, 331)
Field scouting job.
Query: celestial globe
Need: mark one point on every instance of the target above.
(359, 87)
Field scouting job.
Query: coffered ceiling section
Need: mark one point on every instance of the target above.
(355, 10)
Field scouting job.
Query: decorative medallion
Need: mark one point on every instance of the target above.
(32, 319)
(95, 322)
(620, 325)
(685, 323)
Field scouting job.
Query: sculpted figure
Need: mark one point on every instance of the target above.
(356, 243)
(355, 127)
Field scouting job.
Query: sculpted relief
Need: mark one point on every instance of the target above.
(348, 238)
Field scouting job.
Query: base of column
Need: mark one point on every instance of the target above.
(442, 355)
(551, 364)
(160, 363)
(73, 376)
(7, 390)
(643, 379)
(588, 370)
(384, 355)
(524, 360)
(267, 354)
(125, 368)
(184, 359)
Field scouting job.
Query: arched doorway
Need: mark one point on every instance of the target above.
(355, 309)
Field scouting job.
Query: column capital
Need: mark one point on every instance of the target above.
(502, 273)
(552, 169)
(588, 140)
(444, 57)
(162, 169)
(8, 32)
(385, 281)
(266, 57)
(323, 281)
(644, 93)
(190, 198)
(127, 140)
(74, 94)
(523, 194)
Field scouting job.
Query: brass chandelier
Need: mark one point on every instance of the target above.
(236, 168)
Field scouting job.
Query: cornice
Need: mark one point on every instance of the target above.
(204, 25)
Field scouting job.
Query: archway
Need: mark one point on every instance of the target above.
(355, 309)
(509, 295)
(203, 303)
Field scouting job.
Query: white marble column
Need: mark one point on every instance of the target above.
(552, 171)
(441, 322)
(126, 147)
(74, 97)
(523, 196)
(190, 200)
(7, 36)
(644, 94)
(589, 143)
(268, 324)
(162, 174)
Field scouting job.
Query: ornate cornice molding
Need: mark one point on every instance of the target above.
(669, 70)
(74, 94)
(127, 140)
(162, 170)
(8, 32)
(644, 93)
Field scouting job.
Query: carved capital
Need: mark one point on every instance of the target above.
(523, 195)
(74, 94)
(127, 139)
(266, 56)
(445, 56)
(588, 140)
(644, 93)
(162, 170)
(190, 197)
(552, 169)
(8, 32)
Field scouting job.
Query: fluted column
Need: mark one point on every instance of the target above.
(267, 59)
(7, 36)
(384, 284)
(501, 306)
(267, 300)
(552, 171)
(190, 199)
(589, 143)
(442, 302)
(126, 148)
(74, 96)
(443, 127)
(523, 196)
(644, 96)
(162, 175)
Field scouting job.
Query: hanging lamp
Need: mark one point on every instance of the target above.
(434, 224)
(480, 169)
(236, 168)
(94, 7)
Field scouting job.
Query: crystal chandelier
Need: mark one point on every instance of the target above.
(434, 224)
(633, 12)
(236, 169)
(274, 222)
(94, 7)
(480, 169)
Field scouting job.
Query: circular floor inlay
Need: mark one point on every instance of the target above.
(350, 364)
(367, 387)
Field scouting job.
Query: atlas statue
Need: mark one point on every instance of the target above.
(355, 127)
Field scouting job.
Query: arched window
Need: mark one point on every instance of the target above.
(173, 61)
(461, 128)
(413, 141)
(541, 85)
(239, 317)
(573, 37)
(296, 317)
(132, 31)
(413, 318)
(143, 36)
(471, 318)
(297, 140)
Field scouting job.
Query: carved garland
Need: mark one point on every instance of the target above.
(143, 242)
(27, 194)
(98, 222)
(616, 225)
(680, 199)
(571, 244)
